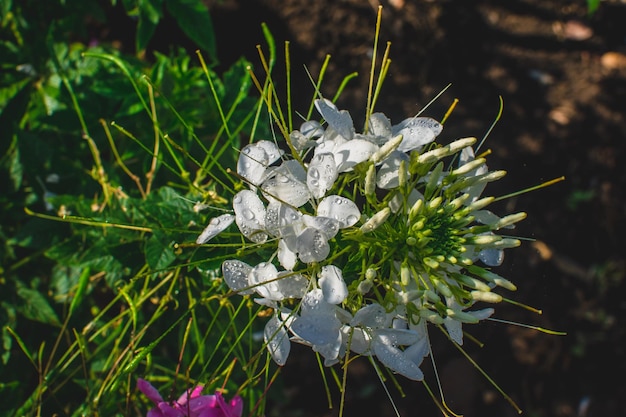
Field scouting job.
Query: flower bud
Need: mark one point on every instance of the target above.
(370, 180)
(459, 144)
(386, 149)
(480, 204)
(506, 243)
(469, 166)
(402, 174)
(491, 277)
(431, 316)
(416, 208)
(486, 296)
(376, 220)
(484, 239)
(509, 220)
(461, 316)
(405, 274)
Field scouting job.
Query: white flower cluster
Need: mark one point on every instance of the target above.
(421, 230)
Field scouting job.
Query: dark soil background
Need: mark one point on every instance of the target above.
(562, 76)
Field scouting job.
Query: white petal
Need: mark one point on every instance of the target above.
(340, 121)
(316, 331)
(455, 329)
(215, 227)
(292, 285)
(313, 304)
(250, 215)
(394, 359)
(288, 184)
(329, 142)
(389, 172)
(330, 351)
(418, 351)
(272, 151)
(333, 286)
(312, 245)
(329, 226)
(380, 125)
(321, 174)
(339, 208)
(466, 155)
(360, 340)
(373, 315)
(252, 163)
(262, 273)
(353, 152)
(485, 217)
(417, 132)
(281, 220)
(286, 256)
(398, 337)
(311, 129)
(483, 313)
(491, 257)
(236, 275)
(277, 340)
(299, 141)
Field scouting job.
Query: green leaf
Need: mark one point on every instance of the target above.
(159, 251)
(145, 30)
(193, 18)
(36, 307)
(80, 290)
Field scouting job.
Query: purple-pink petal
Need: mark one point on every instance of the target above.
(149, 391)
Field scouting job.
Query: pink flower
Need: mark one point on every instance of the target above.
(191, 403)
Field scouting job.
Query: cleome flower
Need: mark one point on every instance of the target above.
(366, 238)
(191, 403)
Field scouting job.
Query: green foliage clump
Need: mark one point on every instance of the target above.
(106, 166)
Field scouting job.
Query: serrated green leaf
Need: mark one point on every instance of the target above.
(194, 19)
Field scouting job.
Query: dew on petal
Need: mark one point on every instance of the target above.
(250, 215)
(394, 359)
(236, 276)
(491, 257)
(343, 210)
(215, 227)
(417, 132)
(292, 285)
(340, 121)
(389, 173)
(372, 315)
(333, 286)
(322, 174)
(252, 163)
(288, 184)
(312, 245)
(259, 277)
(329, 226)
(277, 340)
(353, 152)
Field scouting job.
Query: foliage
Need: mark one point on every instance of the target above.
(103, 159)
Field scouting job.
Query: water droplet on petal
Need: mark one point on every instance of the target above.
(248, 214)
(215, 227)
(340, 208)
(236, 275)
